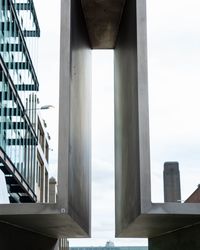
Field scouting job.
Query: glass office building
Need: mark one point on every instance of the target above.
(19, 31)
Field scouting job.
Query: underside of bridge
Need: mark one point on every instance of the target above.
(103, 21)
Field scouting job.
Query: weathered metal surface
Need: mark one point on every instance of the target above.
(136, 216)
(46, 219)
(161, 218)
(103, 19)
(132, 161)
(184, 239)
(74, 185)
(16, 238)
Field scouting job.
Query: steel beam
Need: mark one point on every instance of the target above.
(75, 114)
(131, 116)
(136, 215)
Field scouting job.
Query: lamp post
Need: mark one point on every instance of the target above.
(34, 109)
(46, 107)
(41, 108)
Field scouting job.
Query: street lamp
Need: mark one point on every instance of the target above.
(46, 107)
(41, 108)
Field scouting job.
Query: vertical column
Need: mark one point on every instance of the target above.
(132, 161)
(75, 114)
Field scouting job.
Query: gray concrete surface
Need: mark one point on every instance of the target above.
(161, 219)
(103, 19)
(80, 120)
(132, 161)
(15, 238)
(74, 184)
(136, 215)
(46, 219)
(184, 239)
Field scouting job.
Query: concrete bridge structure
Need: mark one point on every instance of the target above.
(118, 25)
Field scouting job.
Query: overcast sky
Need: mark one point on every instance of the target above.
(174, 77)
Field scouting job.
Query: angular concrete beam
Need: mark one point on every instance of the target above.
(103, 19)
(16, 238)
(132, 157)
(136, 215)
(74, 184)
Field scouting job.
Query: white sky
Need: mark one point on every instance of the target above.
(174, 76)
(3, 190)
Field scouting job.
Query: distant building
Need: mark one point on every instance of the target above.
(63, 244)
(110, 248)
(42, 162)
(194, 197)
(24, 150)
(52, 190)
(19, 31)
(172, 188)
(109, 244)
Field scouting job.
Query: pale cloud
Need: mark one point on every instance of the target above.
(174, 59)
(48, 13)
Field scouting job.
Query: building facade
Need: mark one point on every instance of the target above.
(19, 32)
(42, 164)
(111, 248)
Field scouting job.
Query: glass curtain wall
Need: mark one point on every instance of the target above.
(19, 31)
